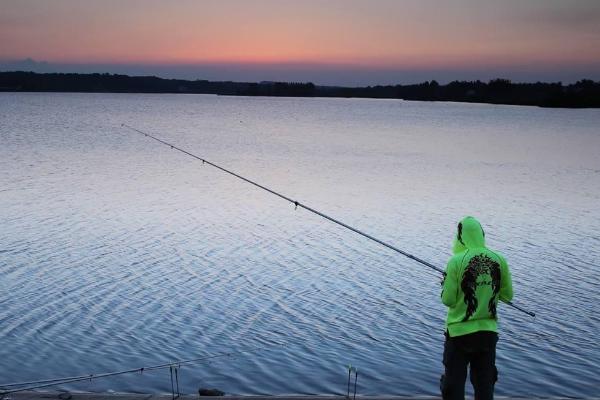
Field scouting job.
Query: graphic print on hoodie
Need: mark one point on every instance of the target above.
(481, 270)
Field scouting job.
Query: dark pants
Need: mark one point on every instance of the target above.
(477, 350)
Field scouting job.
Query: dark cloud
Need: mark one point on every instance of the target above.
(571, 14)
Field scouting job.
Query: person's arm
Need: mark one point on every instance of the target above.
(506, 289)
(450, 285)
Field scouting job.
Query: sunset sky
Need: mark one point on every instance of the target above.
(325, 41)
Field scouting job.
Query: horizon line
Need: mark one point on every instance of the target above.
(266, 81)
(320, 73)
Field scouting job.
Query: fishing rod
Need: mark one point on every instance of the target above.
(307, 208)
(31, 385)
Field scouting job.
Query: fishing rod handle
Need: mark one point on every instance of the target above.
(516, 307)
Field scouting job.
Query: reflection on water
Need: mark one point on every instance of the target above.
(116, 252)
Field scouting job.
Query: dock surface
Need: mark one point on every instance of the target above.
(138, 396)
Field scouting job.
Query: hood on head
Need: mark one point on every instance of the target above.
(469, 235)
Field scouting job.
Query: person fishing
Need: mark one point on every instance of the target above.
(475, 279)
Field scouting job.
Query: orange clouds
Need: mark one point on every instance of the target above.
(385, 33)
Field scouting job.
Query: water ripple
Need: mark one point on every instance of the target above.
(115, 253)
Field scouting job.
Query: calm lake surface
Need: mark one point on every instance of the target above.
(117, 252)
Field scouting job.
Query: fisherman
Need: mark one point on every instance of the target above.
(475, 279)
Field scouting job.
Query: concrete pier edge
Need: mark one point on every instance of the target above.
(140, 396)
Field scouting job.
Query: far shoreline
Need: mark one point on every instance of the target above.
(303, 97)
(583, 94)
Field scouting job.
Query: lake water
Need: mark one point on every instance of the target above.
(117, 252)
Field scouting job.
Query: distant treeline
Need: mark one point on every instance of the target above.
(585, 93)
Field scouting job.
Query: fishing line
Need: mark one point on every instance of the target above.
(31, 385)
(307, 208)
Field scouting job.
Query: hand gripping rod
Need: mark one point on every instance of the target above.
(307, 208)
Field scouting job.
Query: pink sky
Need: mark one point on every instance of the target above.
(374, 34)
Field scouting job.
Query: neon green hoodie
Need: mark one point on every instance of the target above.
(476, 277)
